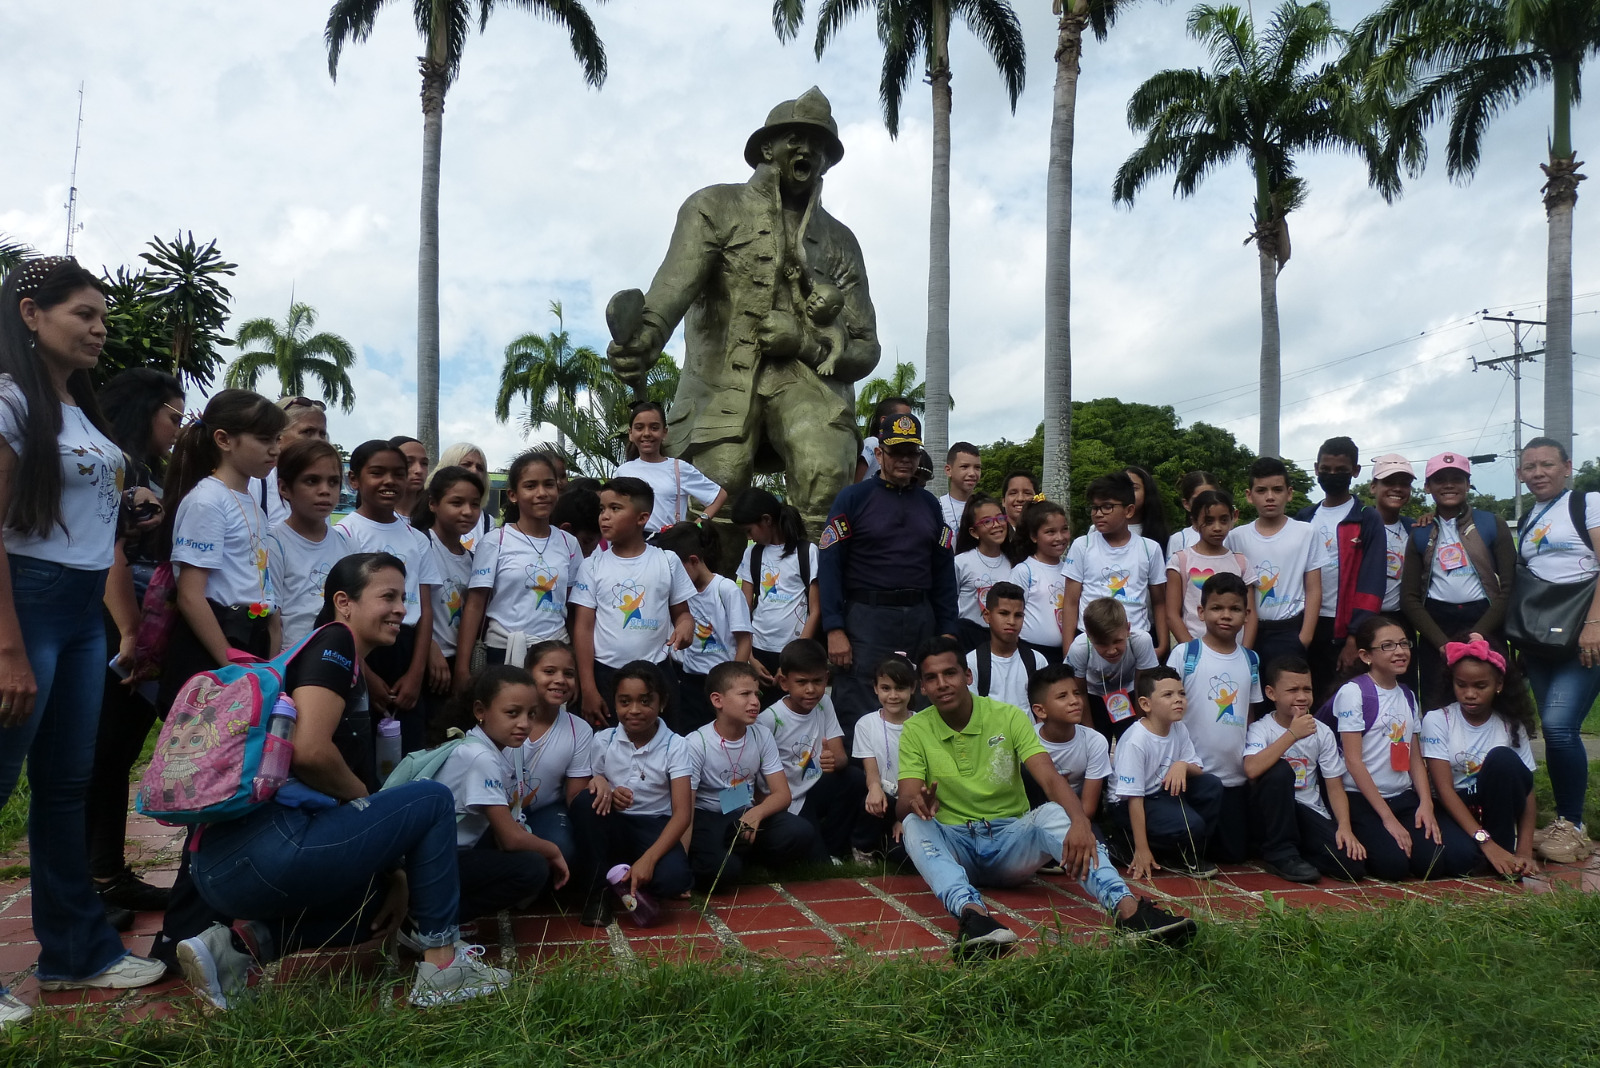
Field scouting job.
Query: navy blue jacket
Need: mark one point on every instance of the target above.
(884, 537)
(1363, 550)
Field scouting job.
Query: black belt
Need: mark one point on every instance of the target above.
(888, 598)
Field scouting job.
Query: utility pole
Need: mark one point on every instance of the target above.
(1514, 364)
(73, 226)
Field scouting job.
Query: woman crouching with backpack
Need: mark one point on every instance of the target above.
(330, 860)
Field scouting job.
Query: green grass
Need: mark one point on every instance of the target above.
(1512, 981)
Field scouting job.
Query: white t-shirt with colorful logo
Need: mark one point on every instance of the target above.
(1552, 546)
(1193, 570)
(976, 574)
(1043, 588)
(1325, 522)
(299, 568)
(528, 579)
(398, 539)
(1144, 758)
(1281, 563)
(720, 616)
(1308, 756)
(1123, 573)
(1219, 693)
(632, 598)
(455, 571)
(782, 600)
(800, 738)
(1396, 725)
(1446, 735)
(225, 533)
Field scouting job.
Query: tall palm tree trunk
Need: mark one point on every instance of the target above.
(434, 83)
(1058, 261)
(1560, 200)
(1271, 389)
(937, 364)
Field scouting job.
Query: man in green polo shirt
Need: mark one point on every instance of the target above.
(966, 819)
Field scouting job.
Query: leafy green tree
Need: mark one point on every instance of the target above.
(596, 433)
(1266, 99)
(1474, 59)
(1587, 478)
(443, 26)
(902, 383)
(547, 371)
(915, 35)
(170, 315)
(294, 354)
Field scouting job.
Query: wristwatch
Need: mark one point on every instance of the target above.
(1480, 836)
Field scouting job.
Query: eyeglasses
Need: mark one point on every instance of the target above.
(289, 404)
(1393, 647)
(992, 520)
(1104, 507)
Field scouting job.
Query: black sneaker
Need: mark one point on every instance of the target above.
(1294, 869)
(128, 891)
(120, 919)
(1149, 922)
(981, 935)
(597, 912)
(1199, 868)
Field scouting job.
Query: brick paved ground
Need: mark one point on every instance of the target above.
(832, 919)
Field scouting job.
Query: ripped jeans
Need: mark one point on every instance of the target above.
(1004, 852)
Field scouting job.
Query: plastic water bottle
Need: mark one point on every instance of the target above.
(640, 906)
(388, 746)
(278, 752)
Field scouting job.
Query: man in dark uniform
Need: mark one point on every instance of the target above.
(887, 571)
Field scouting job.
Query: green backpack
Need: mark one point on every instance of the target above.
(426, 764)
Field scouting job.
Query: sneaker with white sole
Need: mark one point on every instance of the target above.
(981, 935)
(463, 978)
(126, 974)
(14, 1012)
(1562, 842)
(214, 967)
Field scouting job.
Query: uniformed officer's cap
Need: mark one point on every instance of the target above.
(902, 430)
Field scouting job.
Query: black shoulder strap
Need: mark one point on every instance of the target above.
(1577, 508)
(263, 494)
(755, 567)
(805, 568)
(1027, 663)
(985, 668)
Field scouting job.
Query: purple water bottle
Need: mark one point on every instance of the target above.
(640, 906)
(278, 752)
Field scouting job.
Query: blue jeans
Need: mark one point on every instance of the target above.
(1564, 691)
(550, 822)
(1005, 852)
(65, 639)
(316, 877)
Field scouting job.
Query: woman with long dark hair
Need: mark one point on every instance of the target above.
(60, 493)
(144, 410)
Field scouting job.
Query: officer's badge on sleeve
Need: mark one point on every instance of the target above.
(947, 538)
(837, 530)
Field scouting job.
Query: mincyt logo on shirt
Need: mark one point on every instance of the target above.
(197, 546)
(542, 584)
(1117, 580)
(1224, 693)
(336, 658)
(628, 598)
(1267, 582)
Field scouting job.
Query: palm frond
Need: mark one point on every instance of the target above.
(787, 15)
(348, 21)
(587, 47)
(996, 26)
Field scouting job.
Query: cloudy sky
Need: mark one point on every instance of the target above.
(222, 119)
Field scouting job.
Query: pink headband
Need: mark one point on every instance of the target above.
(1477, 649)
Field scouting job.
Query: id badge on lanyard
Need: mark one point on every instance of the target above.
(1452, 557)
(1119, 706)
(736, 797)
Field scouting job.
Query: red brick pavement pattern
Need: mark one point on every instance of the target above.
(830, 920)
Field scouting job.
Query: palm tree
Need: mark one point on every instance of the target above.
(549, 373)
(597, 430)
(903, 383)
(1264, 100)
(913, 33)
(1476, 58)
(12, 253)
(443, 25)
(1075, 16)
(294, 354)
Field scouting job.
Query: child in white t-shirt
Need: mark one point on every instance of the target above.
(1188, 569)
(825, 790)
(1000, 667)
(302, 549)
(877, 746)
(981, 562)
(631, 600)
(446, 513)
(778, 574)
(1221, 679)
(225, 597)
(640, 802)
(721, 624)
(673, 481)
(489, 772)
(1043, 532)
(963, 467)
(1112, 561)
(1478, 756)
(1081, 755)
(1190, 486)
(1108, 657)
(1286, 561)
(1288, 755)
(1163, 804)
(396, 673)
(1391, 805)
(522, 572)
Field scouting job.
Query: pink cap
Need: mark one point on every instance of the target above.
(1391, 463)
(1449, 461)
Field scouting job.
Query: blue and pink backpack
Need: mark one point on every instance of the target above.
(208, 755)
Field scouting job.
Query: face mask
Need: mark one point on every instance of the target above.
(1335, 485)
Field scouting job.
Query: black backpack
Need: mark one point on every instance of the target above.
(804, 553)
(986, 666)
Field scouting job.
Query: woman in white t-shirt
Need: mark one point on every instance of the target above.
(778, 574)
(60, 491)
(1554, 549)
(1391, 805)
(1481, 764)
(673, 480)
(219, 538)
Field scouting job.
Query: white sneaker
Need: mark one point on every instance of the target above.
(463, 978)
(213, 968)
(13, 1011)
(125, 974)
